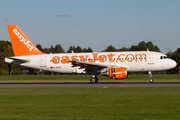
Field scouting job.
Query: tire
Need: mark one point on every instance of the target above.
(94, 80)
(151, 80)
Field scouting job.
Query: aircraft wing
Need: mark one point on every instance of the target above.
(89, 67)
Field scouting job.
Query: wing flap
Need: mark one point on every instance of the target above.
(89, 67)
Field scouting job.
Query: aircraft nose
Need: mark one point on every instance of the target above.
(173, 63)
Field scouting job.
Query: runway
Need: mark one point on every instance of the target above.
(90, 85)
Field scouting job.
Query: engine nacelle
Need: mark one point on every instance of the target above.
(115, 73)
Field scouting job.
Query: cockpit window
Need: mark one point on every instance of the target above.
(164, 57)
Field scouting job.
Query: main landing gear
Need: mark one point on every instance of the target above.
(150, 77)
(94, 79)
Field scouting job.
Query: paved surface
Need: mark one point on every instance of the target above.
(90, 85)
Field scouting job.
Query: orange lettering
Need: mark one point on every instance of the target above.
(111, 57)
(74, 58)
(94, 58)
(128, 59)
(65, 59)
(55, 59)
(140, 55)
(119, 57)
(83, 58)
(102, 58)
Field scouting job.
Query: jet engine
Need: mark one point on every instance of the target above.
(115, 73)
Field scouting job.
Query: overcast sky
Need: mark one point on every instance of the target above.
(94, 23)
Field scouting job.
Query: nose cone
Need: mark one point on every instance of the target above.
(173, 63)
(167, 64)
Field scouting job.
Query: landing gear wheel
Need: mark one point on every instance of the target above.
(94, 80)
(151, 80)
(150, 77)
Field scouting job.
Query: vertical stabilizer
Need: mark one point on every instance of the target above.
(20, 43)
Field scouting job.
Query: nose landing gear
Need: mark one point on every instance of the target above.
(150, 77)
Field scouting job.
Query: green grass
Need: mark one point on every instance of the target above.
(85, 78)
(90, 104)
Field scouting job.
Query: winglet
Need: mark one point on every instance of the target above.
(20, 43)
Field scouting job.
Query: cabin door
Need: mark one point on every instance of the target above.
(150, 58)
(43, 61)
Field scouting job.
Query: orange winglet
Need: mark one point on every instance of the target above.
(20, 43)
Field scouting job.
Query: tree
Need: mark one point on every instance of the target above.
(45, 50)
(78, 49)
(52, 49)
(172, 56)
(59, 49)
(71, 48)
(110, 48)
(177, 59)
(7, 51)
(134, 48)
(39, 47)
(142, 46)
(151, 47)
(123, 49)
(87, 50)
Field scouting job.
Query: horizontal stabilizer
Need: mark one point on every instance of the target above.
(16, 60)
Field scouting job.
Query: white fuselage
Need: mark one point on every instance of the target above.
(134, 61)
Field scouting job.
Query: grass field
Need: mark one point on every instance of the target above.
(88, 103)
(85, 78)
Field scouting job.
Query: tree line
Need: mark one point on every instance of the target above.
(9, 69)
(142, 46)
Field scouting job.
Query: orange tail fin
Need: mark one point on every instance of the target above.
(21, 44)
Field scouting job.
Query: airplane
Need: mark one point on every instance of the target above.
(115, 65)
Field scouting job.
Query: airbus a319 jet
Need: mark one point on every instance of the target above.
(115, 65)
